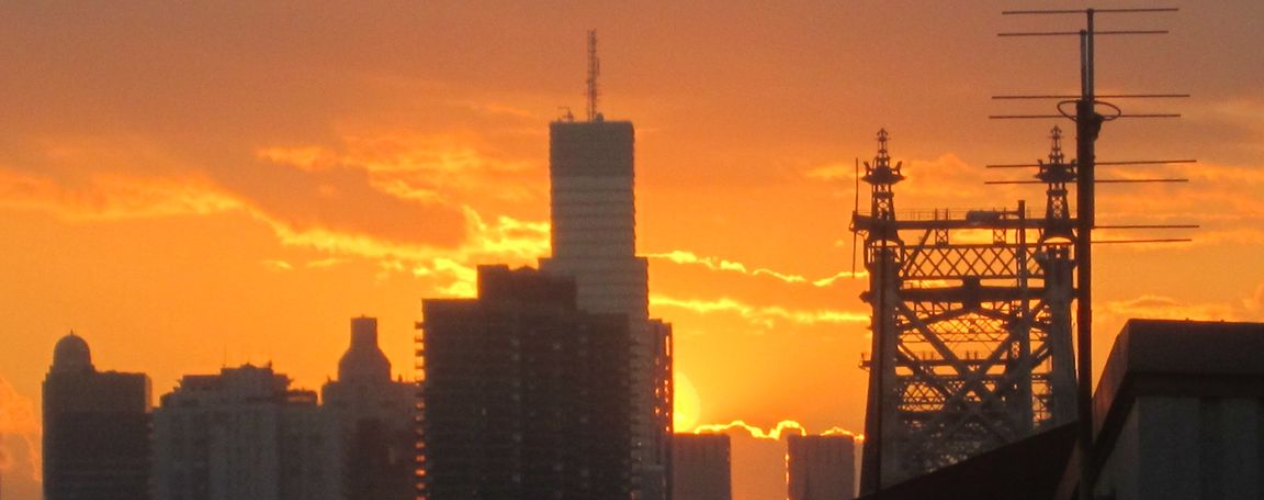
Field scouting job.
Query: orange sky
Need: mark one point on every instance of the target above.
(199, 184)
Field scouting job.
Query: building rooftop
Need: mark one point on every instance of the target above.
(1029, 469)
(1162, 358)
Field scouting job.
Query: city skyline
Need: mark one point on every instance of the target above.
(225, 184)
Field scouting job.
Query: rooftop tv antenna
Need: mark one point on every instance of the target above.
(594, 70)
(1088, 123)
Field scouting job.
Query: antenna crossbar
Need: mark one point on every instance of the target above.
(1047, 117)
(1145, 162)
(1138, 181)
(1149, 226)
(1100, 96)
(1156, 240)
(1086, 11)
(1096, 181)
(1079, 33)
(1138, 162)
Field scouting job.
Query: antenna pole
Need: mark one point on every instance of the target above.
(594, 70)
(854, 211)
(1087, 126)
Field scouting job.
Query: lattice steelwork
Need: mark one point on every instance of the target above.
(971, 324)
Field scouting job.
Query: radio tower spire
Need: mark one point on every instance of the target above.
(594, 70)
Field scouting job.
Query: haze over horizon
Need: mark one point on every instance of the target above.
(203, 185)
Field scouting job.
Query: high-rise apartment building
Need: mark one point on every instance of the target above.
(375, 415)
(701, 467)
(593, 205)
(243, 433)
(821, 467)
(96, 428)
(523, 394)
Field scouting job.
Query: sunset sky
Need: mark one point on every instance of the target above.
(190, 185)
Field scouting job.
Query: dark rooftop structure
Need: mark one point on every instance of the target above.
(1178, 414)
(1030, 469)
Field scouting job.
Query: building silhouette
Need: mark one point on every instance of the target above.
(593, 209)
(96, 428)
(1178, 414)
(523, 395)
(375, 416)
(701, 467)
(243, 434)
(821, 467)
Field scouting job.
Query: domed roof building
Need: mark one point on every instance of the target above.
(72, 355)
(105, 412)
(364, 361)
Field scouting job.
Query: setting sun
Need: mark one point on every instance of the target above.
(687, 407)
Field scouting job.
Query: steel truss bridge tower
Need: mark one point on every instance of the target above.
(971, 324)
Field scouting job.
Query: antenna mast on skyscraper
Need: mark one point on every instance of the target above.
(594, 69)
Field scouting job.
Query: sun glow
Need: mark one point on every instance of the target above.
(686, 406)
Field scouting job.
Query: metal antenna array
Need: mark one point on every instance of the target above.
(1088, 121)
(972, 340)
(594, 70)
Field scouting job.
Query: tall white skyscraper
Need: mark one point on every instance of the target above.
(592, 175)
(593, 208)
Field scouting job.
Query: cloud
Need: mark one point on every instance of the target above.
(495, 108)
(945, 178)
(411, 165)
(282, 265)
(717, 264)
(1255, 303)
(765, 316)
(839, 431)
(1162, 307)
(112, 197)
(313, 200)
(833, 172)
(277, 265)
(18, 423)
(381, 158)
(504, 240)
(774, 433)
